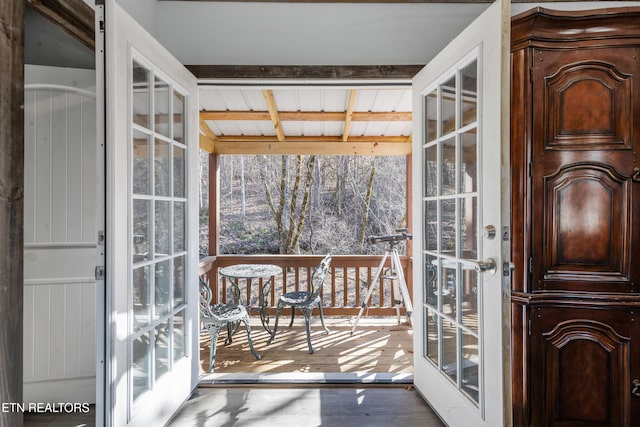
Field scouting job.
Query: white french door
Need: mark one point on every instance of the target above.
(152, 239)
(461, 113)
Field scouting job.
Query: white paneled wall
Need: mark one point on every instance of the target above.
(60, 235)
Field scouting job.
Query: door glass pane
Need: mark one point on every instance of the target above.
(448, 105)
(431, 170)
(141, 230)
(448, 167)
(470, 299)
(431, 225)
(468, 172)
(469, 77)
(140, 95)
(448, 291)
(431, 283)
(449, 350)
(178, 116)
(432, 342)
(179, 280)
(162, 168)
(179, 343)
(141, 163)
(141, 297)
(179, 227)
(470, 361)
(163, 288)
(448, 226)
(431, 116)
(161, 113)
(163, 337)
(468, 227)
(179, 181)
(163, 228)
(141, 365)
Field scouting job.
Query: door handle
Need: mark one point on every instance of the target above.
(635, 388)
(486, 266)
(636, 174)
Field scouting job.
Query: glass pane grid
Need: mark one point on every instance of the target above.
(450, 201)
(159, 211)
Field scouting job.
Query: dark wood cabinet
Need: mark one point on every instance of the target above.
(575, 139)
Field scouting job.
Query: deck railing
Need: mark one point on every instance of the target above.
(343, 291)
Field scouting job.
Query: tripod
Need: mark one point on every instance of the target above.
(396, 276)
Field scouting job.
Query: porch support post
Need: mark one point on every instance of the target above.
(11, 207)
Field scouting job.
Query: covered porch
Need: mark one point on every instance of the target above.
(326, 120)
(379, 350)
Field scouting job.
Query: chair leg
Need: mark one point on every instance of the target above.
(293, 314)
(307, 320)
(214, 331)
(275, 325)
(245, 320)
(322, 319)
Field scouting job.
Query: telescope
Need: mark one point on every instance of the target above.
(393, 238)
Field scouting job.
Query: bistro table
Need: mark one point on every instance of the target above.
(254, 271)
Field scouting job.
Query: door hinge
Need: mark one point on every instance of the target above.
(99, 272)
(529, 327)
(530, 265)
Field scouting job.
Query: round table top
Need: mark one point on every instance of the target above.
(250, 271)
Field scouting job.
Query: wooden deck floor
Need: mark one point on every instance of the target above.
(377, 346)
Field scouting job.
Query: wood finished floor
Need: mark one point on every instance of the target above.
(378, 345)
(305, 407)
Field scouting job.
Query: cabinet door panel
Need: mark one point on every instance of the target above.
(586, 356)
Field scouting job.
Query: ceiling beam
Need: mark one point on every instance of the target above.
(74, 16)
(322, 148)
(309, 72)
(396, 139)
(273, 112)
(320, 116)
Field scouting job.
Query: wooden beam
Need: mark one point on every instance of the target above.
(322, 148)
(273, 112)
(317, 116)
(349, 115)
(311, 139)
(11, 207)
(74, 16)
(208, 138)
(309, 72)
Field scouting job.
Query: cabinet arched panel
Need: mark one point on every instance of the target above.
(585, 230)
(586, 372)
(589, 107)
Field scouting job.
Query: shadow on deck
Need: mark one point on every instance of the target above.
(377, 346)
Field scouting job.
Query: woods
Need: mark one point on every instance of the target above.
(306, 204)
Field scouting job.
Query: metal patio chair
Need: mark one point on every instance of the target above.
(218, 316)
(305, 301)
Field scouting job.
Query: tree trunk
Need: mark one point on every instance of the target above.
(243, 195)
(367, 204)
